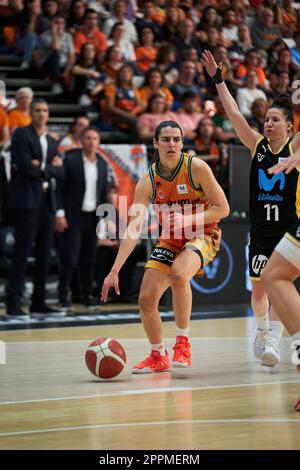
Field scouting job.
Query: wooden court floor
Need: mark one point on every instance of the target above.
(226, 400)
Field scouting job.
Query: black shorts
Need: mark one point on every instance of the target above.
(260, 250)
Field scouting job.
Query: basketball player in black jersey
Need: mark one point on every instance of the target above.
(274, 200)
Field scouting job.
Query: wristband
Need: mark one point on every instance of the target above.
(218, 77)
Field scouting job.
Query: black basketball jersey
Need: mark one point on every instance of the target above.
(274, 199)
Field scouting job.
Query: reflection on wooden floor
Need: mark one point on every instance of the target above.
(226, 400)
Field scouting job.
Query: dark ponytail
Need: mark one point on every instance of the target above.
(284, 103)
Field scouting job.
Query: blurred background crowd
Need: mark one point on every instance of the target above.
(127, 65)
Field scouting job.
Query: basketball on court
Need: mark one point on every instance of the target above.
(105, 358)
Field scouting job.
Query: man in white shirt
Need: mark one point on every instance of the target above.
(84, 188)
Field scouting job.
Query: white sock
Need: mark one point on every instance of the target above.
(159, 347)
(182, 331)
(296, 337)
(276, 330)
(263, 321)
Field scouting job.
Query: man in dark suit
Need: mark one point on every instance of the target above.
(35, 170)
(84, 188)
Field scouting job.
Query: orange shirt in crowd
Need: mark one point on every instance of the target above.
(18, 119)
(4, 122)
(242, 71)
(96, 37)
(145, 93)
(145, 57)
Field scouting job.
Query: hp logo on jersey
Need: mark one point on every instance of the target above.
(258, 263)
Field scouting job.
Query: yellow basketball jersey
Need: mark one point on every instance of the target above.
(177, 191)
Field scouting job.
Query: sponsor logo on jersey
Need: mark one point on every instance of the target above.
(268, 184)
(260, 157)
(182, 189)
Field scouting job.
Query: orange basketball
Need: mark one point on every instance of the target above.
(105, 358)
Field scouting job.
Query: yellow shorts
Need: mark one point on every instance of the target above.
(165, 253)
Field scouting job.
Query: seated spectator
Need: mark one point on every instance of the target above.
(27, 29)
(185, 82)
(239, 49)
(287, 18)
(73, 139)
(284, 64)
(76, 16)
(224, 130)
(57, 53)
(169, 29)
(258, 112)
(191, 55)
(148, 18)
(186, 38)
(153, 84)
(213, 39)
(118, 14)
(126, 46)
(205, 144)
(189, 114)
(165, 62)
(20, 116)
(252, 62)
(112, 63)
(50, 10)
(295, 51)
(281, 85)
(248, 94)
(229, 27)
(146, 52)
(156, 112)
(122, 101)
(86, 83)
(91, 33)
(263, 31)
(209, 18)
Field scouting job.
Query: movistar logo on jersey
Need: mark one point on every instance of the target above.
(267, 184)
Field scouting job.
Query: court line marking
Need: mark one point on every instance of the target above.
(147, 390)
(192, 338)
(151, 423)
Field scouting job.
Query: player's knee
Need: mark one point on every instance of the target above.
(146, 301)
(177, 278)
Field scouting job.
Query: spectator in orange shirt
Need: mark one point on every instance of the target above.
(146, 53)
(122, 101)
(20, 116)
(205, 144)
(252, 63)
(4, 127)
(155, 83)
(91, 33)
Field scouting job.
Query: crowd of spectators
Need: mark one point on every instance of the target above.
(138, 62)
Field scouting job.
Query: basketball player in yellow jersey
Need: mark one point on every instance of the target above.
(175, 179)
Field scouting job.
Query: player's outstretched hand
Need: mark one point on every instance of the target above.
(286, 165)
(208, 61)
